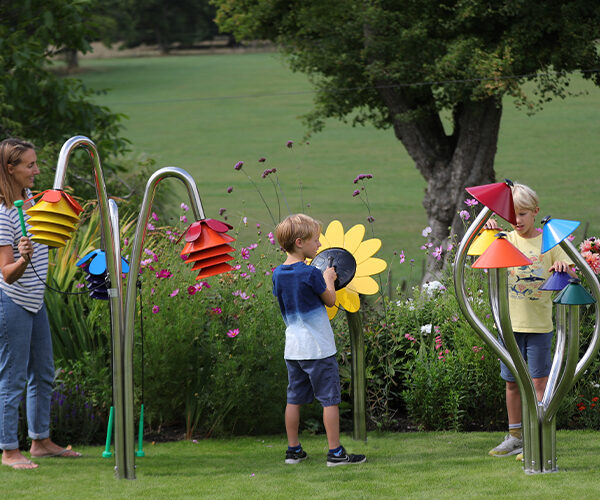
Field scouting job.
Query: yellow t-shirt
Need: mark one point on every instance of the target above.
(531, 308)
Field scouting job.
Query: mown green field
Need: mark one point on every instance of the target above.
(205, 113)
(424, 465)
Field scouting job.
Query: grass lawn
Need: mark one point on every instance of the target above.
(205, 113)
(411, 465)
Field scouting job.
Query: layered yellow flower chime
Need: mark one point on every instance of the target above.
(53, 218)
(354, 254)
(207, 247)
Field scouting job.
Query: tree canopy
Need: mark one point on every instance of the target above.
(400, 64)
(38, 104)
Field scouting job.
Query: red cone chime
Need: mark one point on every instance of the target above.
(207, 247)
(53, 218)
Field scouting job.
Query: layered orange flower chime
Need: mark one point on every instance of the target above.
(207, 247)
(53, 218)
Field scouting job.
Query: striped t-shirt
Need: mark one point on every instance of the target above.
(308, 333)
(28, 290)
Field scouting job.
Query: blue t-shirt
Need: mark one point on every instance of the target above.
(308, 333)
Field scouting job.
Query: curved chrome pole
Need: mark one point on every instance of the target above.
(130, 299)
(109, 226)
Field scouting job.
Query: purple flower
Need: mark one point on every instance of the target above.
(183, 218)
(289, 144)
(262, 159)
(245, 253)
(79, 285)
(233, 333)
(164, 273)
(174, 292)
(150, 227)
(268, 172)
(371, 219)
(184, 207)
(471, 202)
(222, 211)
(238, 165)
(464, 215)
(154, 216)
(155, 309)
(230, 189)
(216, 310)
(356, 192)
(192, 290)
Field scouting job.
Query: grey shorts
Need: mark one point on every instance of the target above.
(310, 379)
(536, 349)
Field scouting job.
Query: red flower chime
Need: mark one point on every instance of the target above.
(207, 247)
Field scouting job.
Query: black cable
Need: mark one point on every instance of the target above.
(61, 291)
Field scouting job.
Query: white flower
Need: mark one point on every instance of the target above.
(426, 232)
(426, 329)
(433, 286)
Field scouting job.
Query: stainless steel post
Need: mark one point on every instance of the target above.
(110, 239)
(130, 298)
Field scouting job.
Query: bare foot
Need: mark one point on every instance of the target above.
(16, 460)
(46, 448)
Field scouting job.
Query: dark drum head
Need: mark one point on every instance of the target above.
(342, 261)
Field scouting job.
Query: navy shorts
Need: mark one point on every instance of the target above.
(536, 349)
(310, 379)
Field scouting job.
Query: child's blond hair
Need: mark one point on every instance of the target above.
(296, 226)
(524, 197)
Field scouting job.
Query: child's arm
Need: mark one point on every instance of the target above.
(328, 296)
(562, 266)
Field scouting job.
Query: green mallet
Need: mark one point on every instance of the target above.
(140, 451)
(106, 453)
(19, 205)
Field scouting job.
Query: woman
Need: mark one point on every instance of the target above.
(26, 359)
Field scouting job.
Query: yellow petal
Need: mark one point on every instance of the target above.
(364, 285)
(349, 300)
(353, 237)
(331, 311)
(335, 234)
(370, 266)
(366, 249)
(324, 243)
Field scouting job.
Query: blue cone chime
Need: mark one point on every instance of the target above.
(556, 282)
(94, 264)
(556, 230)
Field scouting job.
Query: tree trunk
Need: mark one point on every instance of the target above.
(72, 59)
(448, 163)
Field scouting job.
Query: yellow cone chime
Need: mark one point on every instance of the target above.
(207, 247)
(53, 218)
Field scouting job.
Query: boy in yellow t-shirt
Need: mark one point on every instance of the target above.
(530, 310)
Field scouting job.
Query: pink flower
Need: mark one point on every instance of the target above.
(402, 258)
(192, 290)
(238, 165)
(470, 202)
(79, 285)
(174, 292)
(183, 218)
(164, 273)
(154, 216)
(245, 253)
(184, 207)
(464, 215)
(233, 333)
(216, 310)
(437, 253)
(155, 309)
(230, 189)
(271, 238)
(150, 227)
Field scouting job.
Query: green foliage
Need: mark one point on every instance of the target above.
(213, 351)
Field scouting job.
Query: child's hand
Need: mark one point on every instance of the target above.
(329, 275)
(562, 267)
(491, 224)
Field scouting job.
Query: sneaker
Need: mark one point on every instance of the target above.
(295, 457)
(519, 457)
(344, 459)
(510, 446)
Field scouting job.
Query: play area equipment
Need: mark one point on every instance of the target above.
(539, 424)
(56, 216)
(352, 258)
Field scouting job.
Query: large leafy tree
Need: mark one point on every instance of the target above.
(38, 104)
(402, 64)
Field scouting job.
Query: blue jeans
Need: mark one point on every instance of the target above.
(313, 378)
(26, 360)
(536, 349)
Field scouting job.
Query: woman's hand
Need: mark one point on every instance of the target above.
(25, 248)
